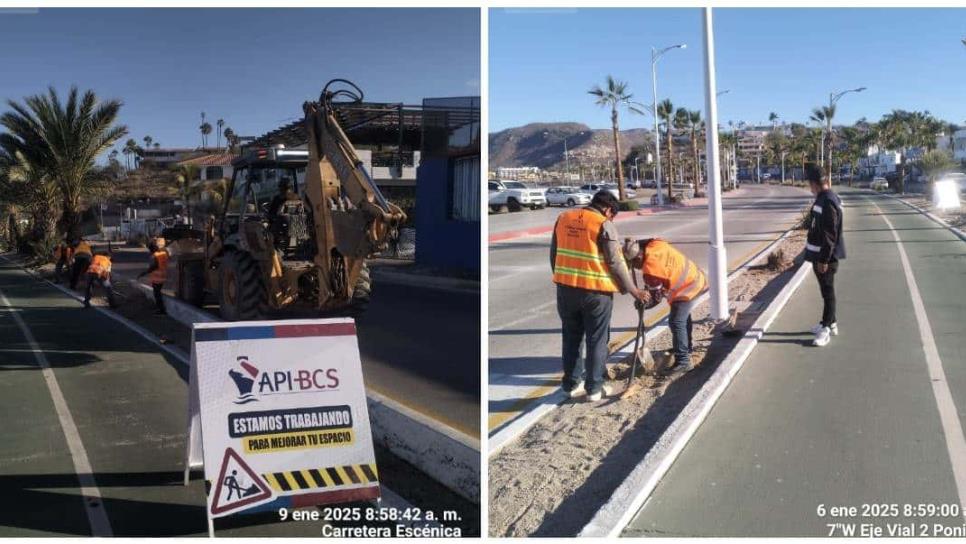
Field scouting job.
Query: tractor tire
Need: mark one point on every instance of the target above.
(362, 292)
(191, 288)
(513, 205)
(241, 293)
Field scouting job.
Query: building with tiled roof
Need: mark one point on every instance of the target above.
(212, 166)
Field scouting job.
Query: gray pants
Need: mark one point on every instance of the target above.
(584, 316)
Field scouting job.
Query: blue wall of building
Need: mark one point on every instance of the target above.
(440, 241)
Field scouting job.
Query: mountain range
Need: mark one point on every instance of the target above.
(542, 145)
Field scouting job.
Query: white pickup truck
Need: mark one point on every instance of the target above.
(515, 196)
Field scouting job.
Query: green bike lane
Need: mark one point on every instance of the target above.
(854, 423)
(128, 401)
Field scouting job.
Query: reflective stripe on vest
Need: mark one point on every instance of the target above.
(83, 248)
(578, 262)
(101, 265)
(160, 274)
(682, 279)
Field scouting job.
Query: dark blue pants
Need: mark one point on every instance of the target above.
(679, 321)
(584, 316)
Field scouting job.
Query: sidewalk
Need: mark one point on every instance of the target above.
(857, 422)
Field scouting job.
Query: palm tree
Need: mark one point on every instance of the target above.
(220, 123)
(229, 137)
(901, 130)
(131, 149)
(201, 127)
(24, 182)
(773, 119)
(825, 114)
(695, 124)
(185, 175)
(665, 112)
(205, 131)
(147, 141)
(615, 96)
(67, 139)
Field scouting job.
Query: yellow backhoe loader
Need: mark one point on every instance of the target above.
(307, 250)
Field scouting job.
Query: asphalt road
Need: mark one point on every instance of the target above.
(419, 345)
(524, 329)
(109, 414)
(855, 423)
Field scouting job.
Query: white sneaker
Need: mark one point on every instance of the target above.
(822, 337)
(576, 391)
(834, 329)
(605, 391)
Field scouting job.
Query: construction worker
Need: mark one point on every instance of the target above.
(157, 271)
(588, 268)
(668, 273)
(824, 248)
(285, 194)
(82, 259)
(99, 272)
(63, 255)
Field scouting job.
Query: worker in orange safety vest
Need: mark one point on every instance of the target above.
(670, 274)
(82, 254)
(157, 271)
(99, 272)
(63, 255)
(588, 268)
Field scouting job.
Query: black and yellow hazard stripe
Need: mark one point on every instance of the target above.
(320, 478)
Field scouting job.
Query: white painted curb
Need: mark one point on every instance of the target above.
(930, 215)
(628, 498)
(516, 427)
(444, 454)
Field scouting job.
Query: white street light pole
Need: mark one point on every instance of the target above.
(655, 55)
(718, 267)
(832, 99)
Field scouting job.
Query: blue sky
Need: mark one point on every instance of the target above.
(784, 60)
(252, 67)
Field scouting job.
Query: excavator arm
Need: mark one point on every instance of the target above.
(352, 218)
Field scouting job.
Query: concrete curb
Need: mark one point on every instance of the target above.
(630, 496)
(930, 215)
(446, 455)
(511, 430)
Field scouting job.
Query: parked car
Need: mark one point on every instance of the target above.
(879, 184)
(685, 190)
(515, 196)
(651, 183)
(593, 188)
(567, 196)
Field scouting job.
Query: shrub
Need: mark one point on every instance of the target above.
(628, 205)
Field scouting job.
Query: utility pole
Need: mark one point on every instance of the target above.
(832, 99)
(717, 259)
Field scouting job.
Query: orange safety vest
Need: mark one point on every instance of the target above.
(681, 278)
(579, 262)
(101, 265)
(83, 248)
(160, 274)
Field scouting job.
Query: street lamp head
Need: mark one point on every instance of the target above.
(682, 46)
(860, 89)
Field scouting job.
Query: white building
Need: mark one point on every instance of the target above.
(959, 145)
(878, 162)
(515, 172)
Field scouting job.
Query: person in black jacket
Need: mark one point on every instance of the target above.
(824, 248)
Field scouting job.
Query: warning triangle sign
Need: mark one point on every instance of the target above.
(238, 486)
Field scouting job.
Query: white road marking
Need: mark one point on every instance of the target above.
(93, 503)
(952, 427)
